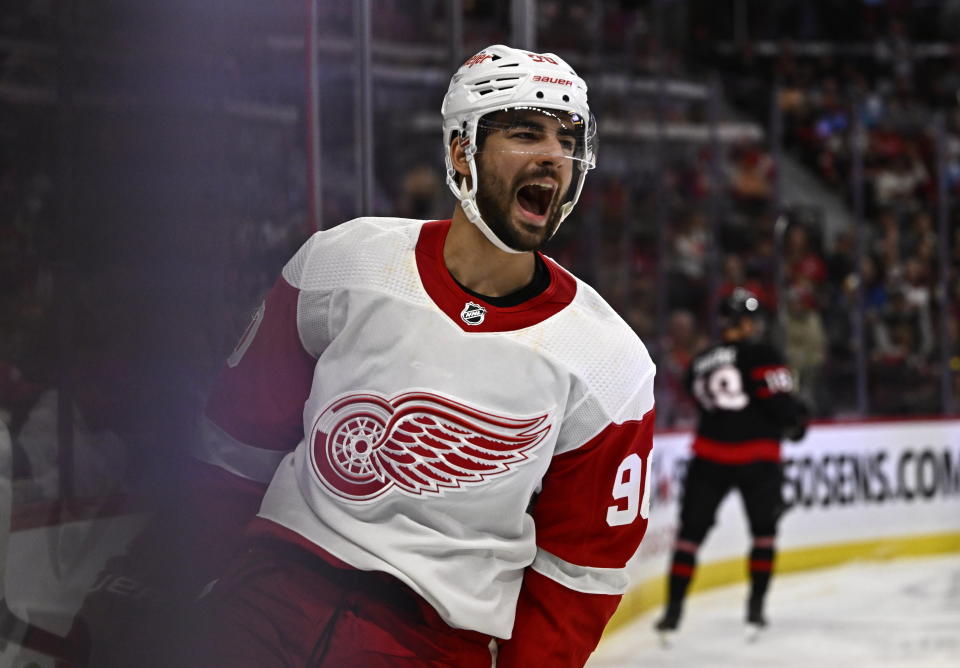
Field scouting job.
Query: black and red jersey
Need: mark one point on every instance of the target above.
(744, 393)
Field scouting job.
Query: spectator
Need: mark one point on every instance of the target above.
(898, 179)
(920, 238)
(840, 261)
(903, 331)
(688, 260)
(803, 262)
(805, 343)
(886, 244)
(917, 292)
(874, 284)
(683, 341)
(751, 180)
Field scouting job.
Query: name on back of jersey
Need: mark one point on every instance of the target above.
(715, 358)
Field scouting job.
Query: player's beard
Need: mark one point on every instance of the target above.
(495, 199)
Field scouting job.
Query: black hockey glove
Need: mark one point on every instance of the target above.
(796, 430)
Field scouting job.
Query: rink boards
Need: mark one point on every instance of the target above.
(869, 490)
(858, 490)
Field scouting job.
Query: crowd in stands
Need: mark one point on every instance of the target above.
(878, 103)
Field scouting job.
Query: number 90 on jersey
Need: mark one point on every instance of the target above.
(630, 481)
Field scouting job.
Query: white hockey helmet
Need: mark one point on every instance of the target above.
(501, 78)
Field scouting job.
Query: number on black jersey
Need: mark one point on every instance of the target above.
(721, 388)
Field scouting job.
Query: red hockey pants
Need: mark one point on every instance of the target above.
(281, 606)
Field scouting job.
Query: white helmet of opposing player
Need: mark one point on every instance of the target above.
(501, 79)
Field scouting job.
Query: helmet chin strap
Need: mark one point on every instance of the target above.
(468, 202)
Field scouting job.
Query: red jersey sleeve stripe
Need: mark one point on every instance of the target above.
(580, 489)
(258, 398)
(757, 373)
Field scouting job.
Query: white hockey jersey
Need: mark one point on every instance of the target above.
(408, 427)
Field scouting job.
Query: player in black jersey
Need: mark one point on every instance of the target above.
(744, 393)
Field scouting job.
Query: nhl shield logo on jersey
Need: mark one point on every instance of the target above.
(421, 444)
(473, 314)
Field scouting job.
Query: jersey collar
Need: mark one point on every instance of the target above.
(453, 300)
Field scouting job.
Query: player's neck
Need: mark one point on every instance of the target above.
(477, 264)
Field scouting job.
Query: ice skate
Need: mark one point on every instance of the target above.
(666, 627)
(756, 625)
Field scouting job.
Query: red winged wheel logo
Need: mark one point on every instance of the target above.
(420, 443)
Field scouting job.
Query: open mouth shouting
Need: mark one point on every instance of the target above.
(534, 199)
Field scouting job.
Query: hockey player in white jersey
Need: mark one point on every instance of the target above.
(453, 432)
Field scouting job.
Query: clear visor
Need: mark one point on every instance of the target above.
(537, 131)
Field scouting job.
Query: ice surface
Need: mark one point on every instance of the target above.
(899, 613)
